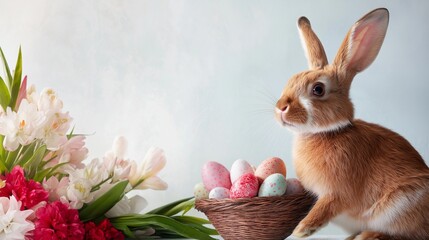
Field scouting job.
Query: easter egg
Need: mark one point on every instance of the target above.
(219, 193)
(293, 186)
(273, 185)
(270, 166)
(239, 168)
(200, 192)
(245, 186)
(214, 175)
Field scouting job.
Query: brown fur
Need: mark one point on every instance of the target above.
(367, 172)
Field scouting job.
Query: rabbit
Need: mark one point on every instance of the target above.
(368, 178)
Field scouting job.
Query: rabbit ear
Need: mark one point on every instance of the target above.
(363, 42)
(313, 48)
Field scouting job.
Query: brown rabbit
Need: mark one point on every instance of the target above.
(368, 178)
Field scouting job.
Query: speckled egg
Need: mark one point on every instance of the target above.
(219, 193)
(214, 175)
(239, 168)
(270, 166)
(293, 186)
(200, 192)
(273, 185)
(246, 186)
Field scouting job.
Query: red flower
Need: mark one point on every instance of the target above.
(104, 231)
(30, 193)
(56, 221)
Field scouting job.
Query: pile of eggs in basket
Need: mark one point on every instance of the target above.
(244, 181)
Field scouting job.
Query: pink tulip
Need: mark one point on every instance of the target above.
(22, 93)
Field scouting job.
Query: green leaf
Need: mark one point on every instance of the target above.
(2, 151)
(103, 203)
(6, 66)
(33, 163)
(196, 223)
(16, 83)
(47, 173)
(171, 208)
(2, 167)
(191, 219)
(184, 206)
(28, 152)
(10, 158)
(146, 220)
(4, 94)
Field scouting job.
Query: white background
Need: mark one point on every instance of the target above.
(200, 78)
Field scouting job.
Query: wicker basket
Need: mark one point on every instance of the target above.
(256, 218)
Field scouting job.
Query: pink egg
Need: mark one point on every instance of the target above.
(239, 168)
(269, 167)
(214, 175)
(246, 186)
(293, 186)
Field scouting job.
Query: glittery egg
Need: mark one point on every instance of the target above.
(270, 166)
(245, 186)
(219, 193)
(273, 185)
(293, 186)
(200, 192)
(239, 168)
(214, 175)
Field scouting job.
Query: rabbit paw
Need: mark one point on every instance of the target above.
(303, 231)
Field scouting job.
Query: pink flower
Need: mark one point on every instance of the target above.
(57, 221)
(104, 231)
(29, 192)
(22, 92)
(73, 151)
(57, 188)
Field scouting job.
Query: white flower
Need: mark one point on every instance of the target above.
(94, 173)
(144, 176)
(49, 101)
(120, 147)
(13, 223)
(126, 205)
(82, 181)
(57, 122)
(118, 167)
(21, 127)
(79, 192)
(32, 96)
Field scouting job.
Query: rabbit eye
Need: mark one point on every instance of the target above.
(319, 90)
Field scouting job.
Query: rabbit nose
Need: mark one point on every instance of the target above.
(283, 103)
(282, 106)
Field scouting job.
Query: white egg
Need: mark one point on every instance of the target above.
(200, 192)
(239, 168)
(219, 193)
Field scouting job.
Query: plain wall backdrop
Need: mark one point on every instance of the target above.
(200, 78)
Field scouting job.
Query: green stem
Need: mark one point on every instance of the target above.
(96, 187)
(11, 156)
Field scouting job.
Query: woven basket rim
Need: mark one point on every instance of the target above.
(227, 204)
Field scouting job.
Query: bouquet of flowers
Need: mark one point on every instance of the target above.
(48, 191)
